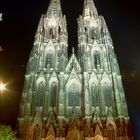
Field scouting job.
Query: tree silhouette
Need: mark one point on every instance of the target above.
(6, 133)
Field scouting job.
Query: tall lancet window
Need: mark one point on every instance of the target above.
(53, 90)
(94, 93)
(74, 95)
(50, 58)
(52, 33)
(40, 93)
(92, 33)
(106, 93)
(96, 59)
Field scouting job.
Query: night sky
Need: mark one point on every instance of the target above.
(17, 30)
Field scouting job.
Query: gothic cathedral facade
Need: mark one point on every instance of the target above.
(76, 98)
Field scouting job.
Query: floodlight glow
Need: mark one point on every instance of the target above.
(0, 16)
(2, 87)
(52, 22)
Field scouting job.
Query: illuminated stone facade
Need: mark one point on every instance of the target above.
(74, 98)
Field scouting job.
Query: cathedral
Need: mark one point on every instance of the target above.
(80, 97)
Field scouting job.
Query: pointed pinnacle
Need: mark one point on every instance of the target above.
(97, 131)
(73, 50)
(89, 8)
(51, 131)
(38, 118)
(54, 7)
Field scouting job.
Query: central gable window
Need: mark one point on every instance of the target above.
(74, 95)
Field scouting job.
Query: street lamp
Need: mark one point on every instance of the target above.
(2, 87)
(0, 16)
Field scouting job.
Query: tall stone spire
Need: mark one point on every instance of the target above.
(89, 9)
(52, 30)
(89, 33)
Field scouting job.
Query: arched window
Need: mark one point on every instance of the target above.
(74, 95)
(40, 93)
(51, 33)
(97, 60)
(53, 90)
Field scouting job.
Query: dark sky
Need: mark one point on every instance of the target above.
(17, 30)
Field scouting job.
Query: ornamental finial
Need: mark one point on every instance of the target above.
(73, 50)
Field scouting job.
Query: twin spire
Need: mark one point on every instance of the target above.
(89, 8)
